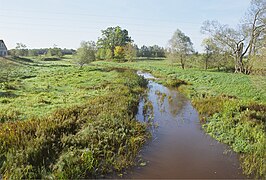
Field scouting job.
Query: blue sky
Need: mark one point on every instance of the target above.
(43, 23)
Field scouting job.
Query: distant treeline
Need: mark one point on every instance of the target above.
(151, 51)
(144, 51)
(42, 51)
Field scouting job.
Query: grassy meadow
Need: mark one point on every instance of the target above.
(61, 121)
(232, 106)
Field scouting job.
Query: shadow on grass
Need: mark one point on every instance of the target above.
(8, 94)
(30, 62)
(28, 77)
(51, 59)
(149, 59)
(224, 70)
(20, 60)
(107, 69)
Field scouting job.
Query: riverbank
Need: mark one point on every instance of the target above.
(232, 106)
(60, 121)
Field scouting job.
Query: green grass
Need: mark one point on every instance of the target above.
(215, 83)
(232, 107)
(60, 121)
(38, 91)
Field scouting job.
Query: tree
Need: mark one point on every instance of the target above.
(239, 42)
(214, 55)
(57, 51)
(180, 46)
(209, 48)
(49, 53)
(119, 52)
(21, 50)
(86, 53)
(32, 52)
(112, 37)
(150, 51)
(254, 28)
(144, 52)
(130, 52)
(157, 51)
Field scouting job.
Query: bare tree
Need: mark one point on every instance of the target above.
(245, 40)
(227, 39)
(254, 28)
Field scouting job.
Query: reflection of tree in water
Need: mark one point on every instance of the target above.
(160, 100)
(176, 104)
(148, 112)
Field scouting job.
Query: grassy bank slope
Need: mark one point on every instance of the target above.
(232, 106)
(58, 121)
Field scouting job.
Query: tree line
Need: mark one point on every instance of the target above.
(22, 50)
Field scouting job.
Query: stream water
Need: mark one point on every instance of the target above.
(179, 147)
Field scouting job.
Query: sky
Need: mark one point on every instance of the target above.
(65, 23)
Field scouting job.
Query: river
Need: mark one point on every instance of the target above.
(179, 147)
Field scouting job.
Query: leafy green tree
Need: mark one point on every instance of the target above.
(57, 51)
(151, 51)
(112, 37)
(180, 46)
(86, 53)
(100, 54)
(144, 52)
(108, 54)
(119, 53)
(130, 52)
(103, 54)
(157, 51)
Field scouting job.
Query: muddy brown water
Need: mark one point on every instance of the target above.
(179, 147)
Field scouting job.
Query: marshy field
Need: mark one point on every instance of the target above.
(59, 120)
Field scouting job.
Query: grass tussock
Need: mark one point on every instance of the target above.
(87, 140)
(172, 82)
